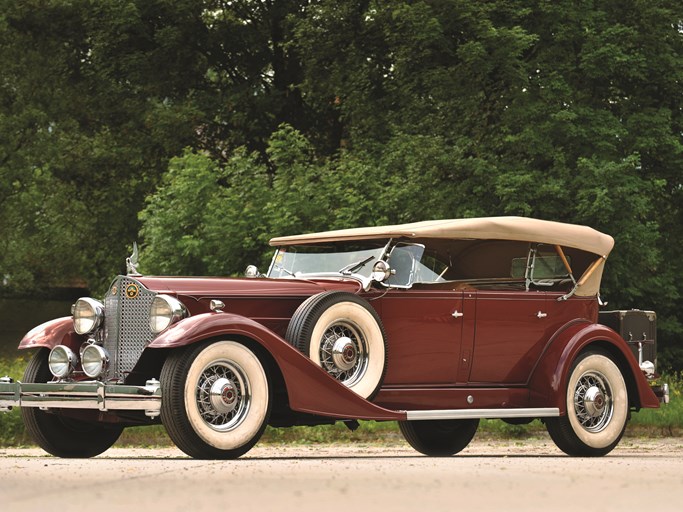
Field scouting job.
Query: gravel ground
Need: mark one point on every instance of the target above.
(488, 475)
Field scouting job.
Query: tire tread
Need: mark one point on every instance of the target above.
(424, 437)
(303, 321)
(53, 433)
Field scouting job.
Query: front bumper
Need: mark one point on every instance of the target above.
(82, 395)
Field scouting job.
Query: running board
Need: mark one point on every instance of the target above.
(465, 414)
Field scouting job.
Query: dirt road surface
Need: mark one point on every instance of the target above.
(488, 475)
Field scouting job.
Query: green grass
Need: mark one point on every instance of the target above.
(12, 431)
(668, 419)
(662, 422)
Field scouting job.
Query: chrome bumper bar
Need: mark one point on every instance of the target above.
(82, 395)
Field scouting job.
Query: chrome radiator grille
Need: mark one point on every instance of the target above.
(126, 325)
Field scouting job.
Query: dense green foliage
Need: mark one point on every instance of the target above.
(206, 127)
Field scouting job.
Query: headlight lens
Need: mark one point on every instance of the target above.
(94, 360)
(88, 314)
(165, 311)
(61, 361)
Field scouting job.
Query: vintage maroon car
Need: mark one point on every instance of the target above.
(433, 324)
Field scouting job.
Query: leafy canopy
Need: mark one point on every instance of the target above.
(206, 127)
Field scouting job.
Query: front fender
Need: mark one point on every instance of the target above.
(548, 381)
(59, 331)
(310, 389)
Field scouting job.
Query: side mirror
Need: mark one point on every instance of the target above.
(252, 271)
(381, 271)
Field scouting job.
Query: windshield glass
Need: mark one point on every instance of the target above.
(319, 259)
(410, 263)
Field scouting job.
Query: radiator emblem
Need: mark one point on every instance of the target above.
(132, 291)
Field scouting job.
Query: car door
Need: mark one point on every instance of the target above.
(510, 332)
(424, 332)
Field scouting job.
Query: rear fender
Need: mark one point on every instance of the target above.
(310, 389)
(50, 334)
(549, 380)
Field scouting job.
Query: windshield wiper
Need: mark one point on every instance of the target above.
(283, 269)
(349, 269)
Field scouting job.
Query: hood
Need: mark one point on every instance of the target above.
(226, 287)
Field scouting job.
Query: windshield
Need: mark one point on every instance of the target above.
(319, 259)
(410, 263)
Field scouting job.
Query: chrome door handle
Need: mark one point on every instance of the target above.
(540, 314)
(457, 314)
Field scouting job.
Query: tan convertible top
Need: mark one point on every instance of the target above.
(486, 228)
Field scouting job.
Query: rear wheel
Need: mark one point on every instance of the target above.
(597, 407)
(57, 435)
(216, 399)
(439, 438)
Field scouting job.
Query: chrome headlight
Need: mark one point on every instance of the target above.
(165, 310)
(61, 361)
(88, 315)
(94, 360)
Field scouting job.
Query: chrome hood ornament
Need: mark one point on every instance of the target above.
(132, 262)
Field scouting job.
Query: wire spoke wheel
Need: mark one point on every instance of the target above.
(342, 334)
(223, 395)
(593, 402)
(597, 407)
(344, 352)
(217, 399)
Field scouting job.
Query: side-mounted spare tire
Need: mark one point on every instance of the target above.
(343, 334)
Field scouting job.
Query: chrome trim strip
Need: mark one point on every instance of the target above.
(464, 414)
(83, 395)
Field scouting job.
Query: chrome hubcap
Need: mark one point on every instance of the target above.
(223, 395)
(344, 352)
(593, 401)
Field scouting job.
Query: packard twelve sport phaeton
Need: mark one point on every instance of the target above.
(433, 324)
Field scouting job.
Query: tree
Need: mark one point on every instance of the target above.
(280, 116)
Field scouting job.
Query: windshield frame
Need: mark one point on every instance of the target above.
(359, 254)
(346, 266)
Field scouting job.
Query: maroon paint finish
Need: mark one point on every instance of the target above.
(50, 334)
(424, 337)
(499, 352)
(549, 379)
(452, 398)
(226, 287)
(270, 302)
(509, 335)
(310, 388)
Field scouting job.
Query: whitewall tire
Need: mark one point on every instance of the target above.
(342, 333)
(597, 407)
(216, 399)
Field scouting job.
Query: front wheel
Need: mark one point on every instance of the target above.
(57, 435)
(439, 438)
(597, 408)
(216, 399)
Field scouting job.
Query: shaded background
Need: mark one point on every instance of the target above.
(202, 128)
